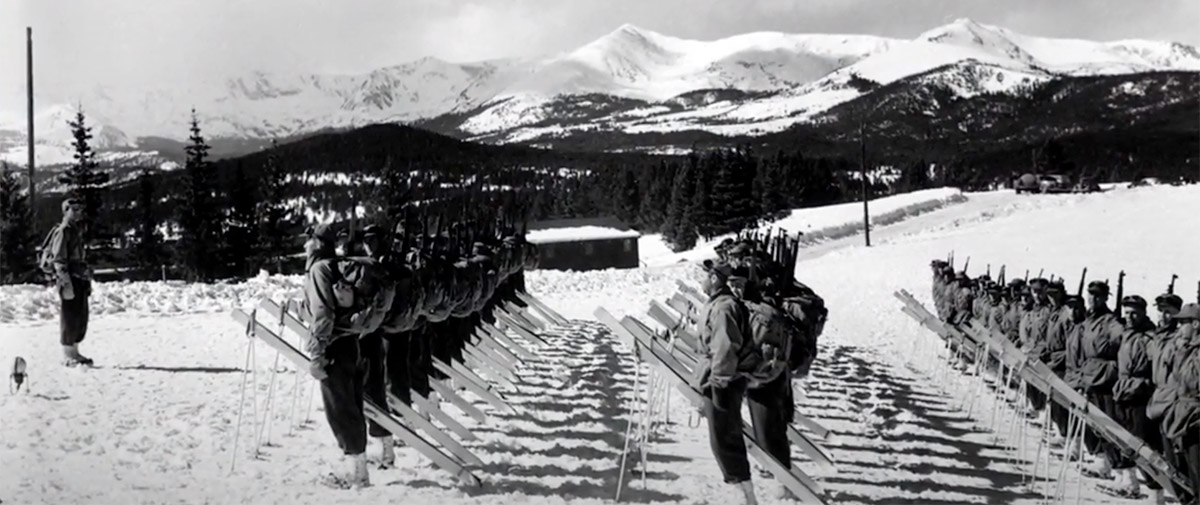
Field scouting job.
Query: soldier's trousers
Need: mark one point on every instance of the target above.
(1176, 457)
(400, 368)
(421, 358)
(73, 313)
(725, 431)
(374, 356)
(342, 395)
(770, 411)
(1059, 414)
(1132, 416)
(1111, 452)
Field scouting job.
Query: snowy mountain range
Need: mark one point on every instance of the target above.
(631, 80)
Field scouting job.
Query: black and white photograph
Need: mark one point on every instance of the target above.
(578, 252)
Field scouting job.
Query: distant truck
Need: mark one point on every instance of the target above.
(1046, 183)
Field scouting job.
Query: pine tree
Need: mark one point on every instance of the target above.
(702, 209)
(148, 249)
(199, 228)
(276, 221)
(627, 196)
(18, 243)
(241, 234)
(84, 179)
(680, 230)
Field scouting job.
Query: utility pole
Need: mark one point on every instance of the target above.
(862, 153)
(29, 104)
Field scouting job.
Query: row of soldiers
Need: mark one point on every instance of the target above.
(381, 306)
(1145, 374)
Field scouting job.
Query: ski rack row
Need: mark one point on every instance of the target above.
(494, 355)
(1035, 373)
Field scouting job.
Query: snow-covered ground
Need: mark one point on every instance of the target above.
(155, 422)
(818, 223)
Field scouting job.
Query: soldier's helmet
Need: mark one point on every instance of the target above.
(1168, 300)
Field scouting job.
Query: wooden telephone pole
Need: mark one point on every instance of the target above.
(29, 104)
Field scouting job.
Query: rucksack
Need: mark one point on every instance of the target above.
(46, 260)
(765, 355)
(808, 311)
(363, 289)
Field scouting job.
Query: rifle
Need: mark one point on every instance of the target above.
(966, 264)
(1026, 275)
(1082, 279)
(1040, 272)
(1120, 294)
(1171, 287)
(988, 271)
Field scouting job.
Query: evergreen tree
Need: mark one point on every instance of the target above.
(701, 210)
(276, 222)
(148, 249)
(770, 188)
(627, 197)
(679, 231)
(198, 218)
(241, 232)
(84, 180)
(657, 198)
(18, 242)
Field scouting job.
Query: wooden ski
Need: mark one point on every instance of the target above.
(472, 384)
(799, 483)
(1039, 376)
(504, 340)
(534, 302)
(461, 403)
(446, 462)
(447, 442)
(428, 407)
(523, 315)
(503, 317)
(485, 340)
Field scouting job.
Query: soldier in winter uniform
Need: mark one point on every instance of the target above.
(64, 259)
(1074, 361)
(1022, 300)
(724, 328)
(333, 349)
(1177, 402)
(1101, 340)
(1132, 392)
(1061, 326)
(1032, 335)
(1165, 351)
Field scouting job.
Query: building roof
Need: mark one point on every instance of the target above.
(578, 230)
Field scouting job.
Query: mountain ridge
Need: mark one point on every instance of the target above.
(776, 80)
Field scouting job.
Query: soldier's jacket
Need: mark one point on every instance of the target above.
(1011, 324)
(979, 305)
(1166, 351)
(939, 296)
(963, 300)
(993, 316)
(1101, 341)
(66, 247)
(1074, 358)
(724, 328)
(1134, 382)
(408, 303)
(1034, 324)
(1182, 416)
(1059, 327)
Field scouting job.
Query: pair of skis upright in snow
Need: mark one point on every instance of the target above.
(677, 356)
(495, 355)
(1039, 376)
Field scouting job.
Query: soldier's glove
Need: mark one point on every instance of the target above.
(316, 367)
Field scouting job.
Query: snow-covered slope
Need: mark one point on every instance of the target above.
(902, 428)
(790, 77)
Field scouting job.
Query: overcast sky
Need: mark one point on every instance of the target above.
(159, 41)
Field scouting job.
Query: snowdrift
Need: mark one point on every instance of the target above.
(818, 224)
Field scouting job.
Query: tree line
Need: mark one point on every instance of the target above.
(230, 218)
(220, 228)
